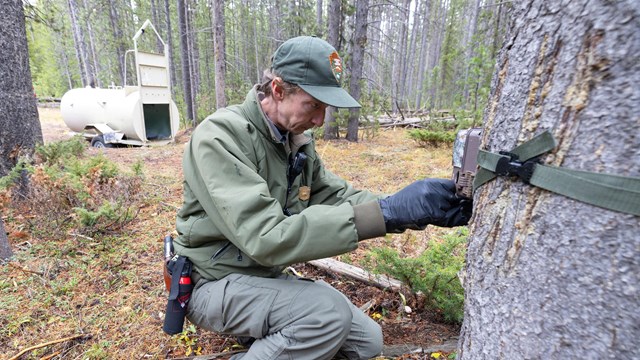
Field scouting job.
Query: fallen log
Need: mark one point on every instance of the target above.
(381, 281)
(448, 346)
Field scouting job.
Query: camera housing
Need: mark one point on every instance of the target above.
(465, 163)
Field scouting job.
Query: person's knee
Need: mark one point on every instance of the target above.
(330, 311)
(374, 341)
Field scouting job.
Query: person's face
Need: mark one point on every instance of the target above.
(298, 111)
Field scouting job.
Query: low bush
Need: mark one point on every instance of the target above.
(434, 273)
(429, 138)
(61, 188)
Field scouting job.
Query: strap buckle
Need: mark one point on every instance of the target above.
(512, 166)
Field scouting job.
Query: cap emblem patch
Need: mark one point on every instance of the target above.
(336, 65)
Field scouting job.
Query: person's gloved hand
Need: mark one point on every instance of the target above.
(428, 201)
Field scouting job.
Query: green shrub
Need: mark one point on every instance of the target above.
(53, 152)
(434, 272)
(138, 168)
(432, 138)
(66, 189)
(12, 177)
(107, 218)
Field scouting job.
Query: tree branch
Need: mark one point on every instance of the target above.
(17, 356)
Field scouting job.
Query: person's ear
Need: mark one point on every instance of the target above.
(277, 88)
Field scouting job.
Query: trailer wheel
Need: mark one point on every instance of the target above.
(98, 142)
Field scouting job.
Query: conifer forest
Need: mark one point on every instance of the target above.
(400, 56)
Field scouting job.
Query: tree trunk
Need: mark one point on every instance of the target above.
(357, 59)
(500, 14)
(423, 54)
(209, 56)
(373, 64)
(156, 23)
(194, 58)
(411, 60)
(547, 276)
(258, 70)
(117, 36)
(81, 52)
(334, 18)
(293, 24)
(275, 24)
(169, 40)
(219, 49)
(19, 125)
(5, 247)
(93, 64)
(63, 60)
(446, 62)
(469, 45)
(186, 69)
(319, 18)
(438, 27)
(245, 39)
(399, 74)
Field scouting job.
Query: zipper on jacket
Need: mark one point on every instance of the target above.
(220, 251)
(239, 258)
(294, 169)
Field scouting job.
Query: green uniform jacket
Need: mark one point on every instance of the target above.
(235, 185)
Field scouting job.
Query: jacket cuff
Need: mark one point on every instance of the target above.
(368, 220)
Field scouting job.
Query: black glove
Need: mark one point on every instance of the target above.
(428, 201)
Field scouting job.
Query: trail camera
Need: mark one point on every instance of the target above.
(465, 154)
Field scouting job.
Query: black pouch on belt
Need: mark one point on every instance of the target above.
(180, 269)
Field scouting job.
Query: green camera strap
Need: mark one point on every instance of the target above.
(613, 192)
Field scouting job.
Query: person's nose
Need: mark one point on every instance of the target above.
(318, 118)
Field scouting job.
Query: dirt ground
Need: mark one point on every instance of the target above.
(382, 164)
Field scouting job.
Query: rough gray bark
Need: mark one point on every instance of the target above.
(219, 51)
(358, 43)
(19, 126)
(547, 276)
(334, 21)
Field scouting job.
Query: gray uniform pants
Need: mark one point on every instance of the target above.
(290, 318)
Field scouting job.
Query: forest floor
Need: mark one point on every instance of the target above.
(107, 297)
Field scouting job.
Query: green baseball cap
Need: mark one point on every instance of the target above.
(315, 66)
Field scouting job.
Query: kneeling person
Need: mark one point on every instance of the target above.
(257, 198)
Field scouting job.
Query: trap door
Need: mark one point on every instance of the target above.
(155, 89)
